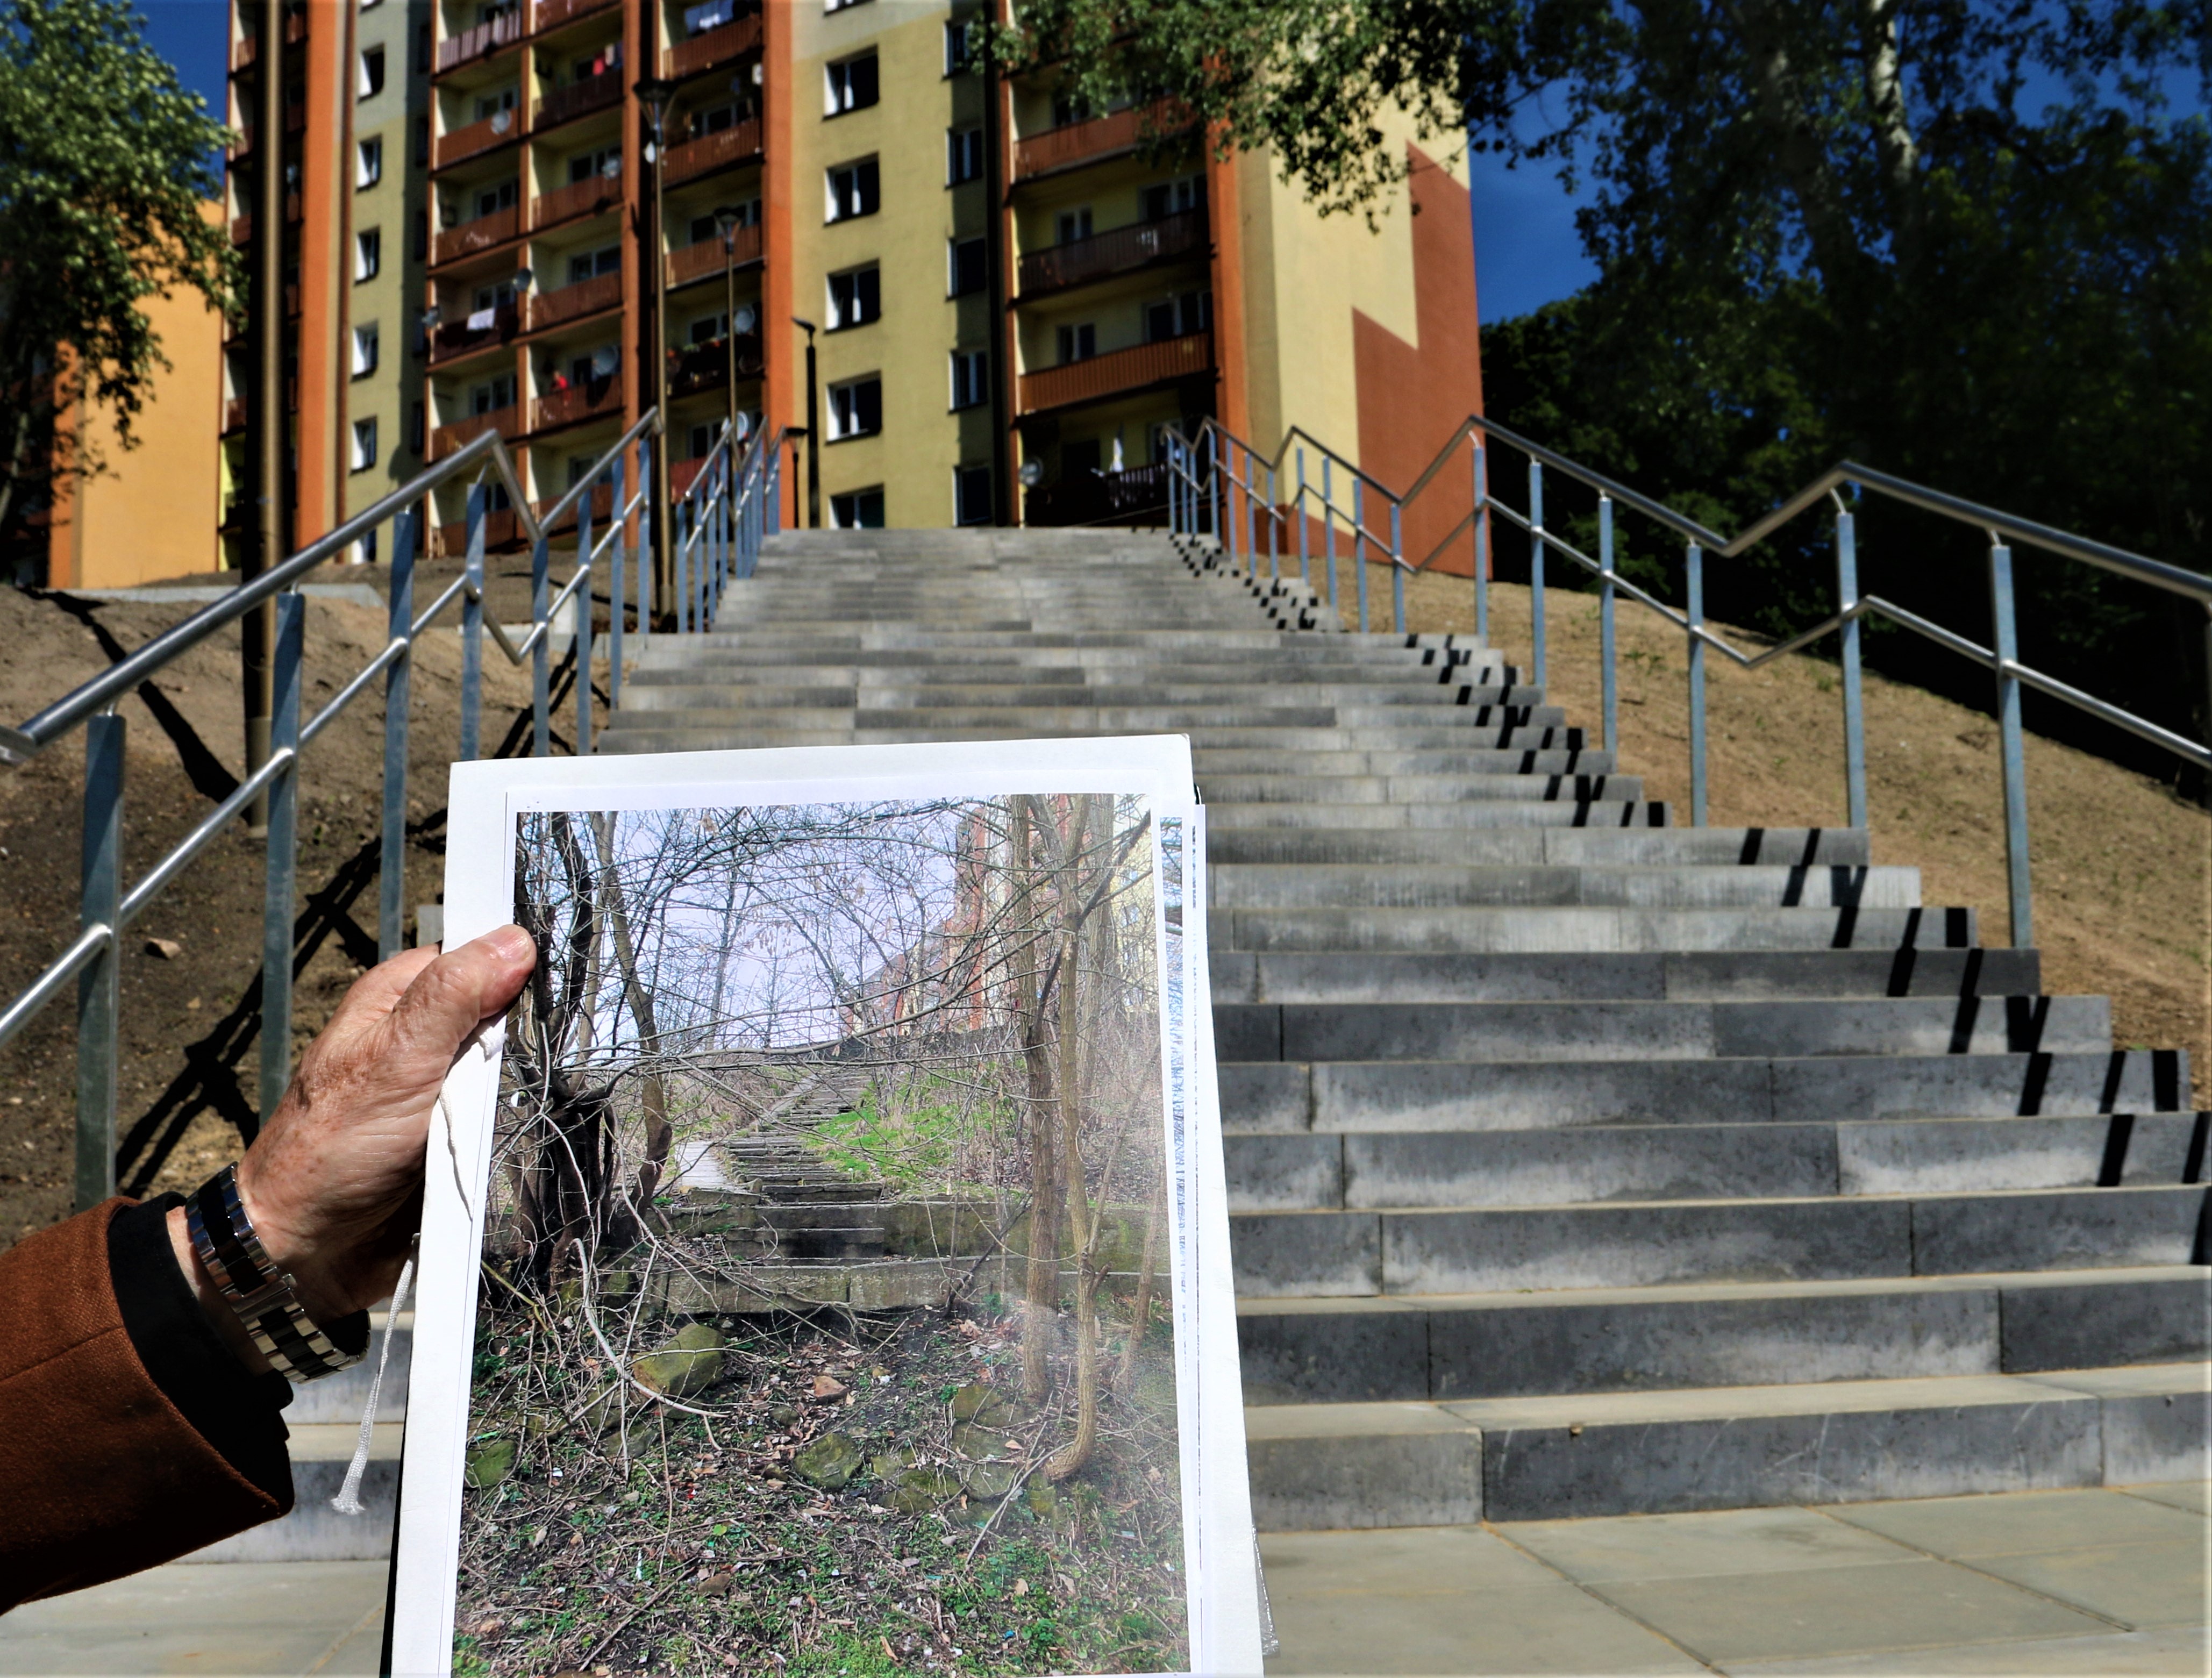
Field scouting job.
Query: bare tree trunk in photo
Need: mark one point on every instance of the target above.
(1083, 1212)
(1041, 1289)
(1141, 1308)
(654, 1090)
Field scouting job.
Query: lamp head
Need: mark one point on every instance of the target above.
(807, 326)
(727, 217)
(654, 92)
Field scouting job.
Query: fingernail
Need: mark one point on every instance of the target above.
(510, 943)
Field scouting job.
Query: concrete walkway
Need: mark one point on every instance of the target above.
(2089, 1582)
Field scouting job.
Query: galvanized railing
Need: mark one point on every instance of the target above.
(1218, 487)
(731, 505)
(106, 908)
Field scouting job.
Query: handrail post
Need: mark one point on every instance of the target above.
(1359, 545)
(1610, 709)
(2006, 641)
(1536, 571)
(1329, 530)
(1481, 542)
(1251, 527)
(1847, 598)
(280, 879)
(1305, 543)
(617, 579)
(473, 631)
(541, 687)
(1213, 485)
(581, 644)
(644, 546)
(98, 984)
(392, 866)
(1397, 567)
(1275, 532)
(1693, 570)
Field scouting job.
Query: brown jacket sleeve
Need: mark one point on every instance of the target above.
(100, 1474)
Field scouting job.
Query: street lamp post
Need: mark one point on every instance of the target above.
(655, 92)
(813, 430)
(726, 218)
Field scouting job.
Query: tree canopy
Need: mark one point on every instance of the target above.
(1969, 241)
(106, 165)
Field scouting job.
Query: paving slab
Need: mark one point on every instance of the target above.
(2190, 1494)
(2141, 1586)
(240, 1620)
(2181, 1653)
(1736, 1541)
(2023, 1523)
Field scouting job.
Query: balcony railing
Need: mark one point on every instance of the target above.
(460, 338)
(445, 439)
(586, 401)
(696, 262)
(242, 229)
(499, 529)
(552, 14)
(248, 47)
(713, 151)
(1117, 372)
(573, 302)
(1078, 142)
(1079, 261)
(699, 366)
(233, 415)
(593, 93)
(480, 234)
(716, 46)
(494, 131)
(1137, 496)
(602, 499)
(578, 198)
(487, 37)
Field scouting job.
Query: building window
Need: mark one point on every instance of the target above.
(856, 408)
(419, 64)
(840, 5)
(369, 162)
(963, 267)
(855, 297)
(422, 143)
(1078, 343)
(592, 264)
(1174, 196)
(492, 396)
(703, 442)
(855, 189)
(850, 84)
(971, 495)
(708, 328)
(959, 51)
(605, 162)
(858, 509)
(364, 447)
(964, 156)
(372, 72)
(704, 227)
(364, 550)
(1173, 317)
(368, 254)
(364, 350)
(971, 374)
(1071, 225)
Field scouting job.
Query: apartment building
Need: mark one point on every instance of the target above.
(1007, 299)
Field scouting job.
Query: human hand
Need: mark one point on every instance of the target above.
(334, 1182)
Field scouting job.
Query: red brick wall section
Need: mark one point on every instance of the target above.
(1412, 395)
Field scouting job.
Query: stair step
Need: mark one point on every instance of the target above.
(1574, 930)
(1568, 847)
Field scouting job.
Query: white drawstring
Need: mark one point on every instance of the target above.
(348, 1501)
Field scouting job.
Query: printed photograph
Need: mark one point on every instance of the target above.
(826, 1319)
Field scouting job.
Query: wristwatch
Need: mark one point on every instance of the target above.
(263, 1296)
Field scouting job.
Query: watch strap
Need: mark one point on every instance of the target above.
(265, 1298)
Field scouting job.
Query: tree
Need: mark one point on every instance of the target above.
(1968, 241)
(106, 165)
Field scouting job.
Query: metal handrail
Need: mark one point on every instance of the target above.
(105, 909)
(1210, 471)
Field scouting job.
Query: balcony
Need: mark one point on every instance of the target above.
(480, 234)
(242, 229)
(593, 93)
(716, 46)
(580, 197)
(734, 145)
(1138, 496)
(588, 400)
(602, 498)
(487, 37)
(703, 366)
(295, 122)
(573, 302)
(1079, 262)
(484, 328)
(499, 528)
(233, 415)
(493, 132)
(248, 47)
(507, 421)
(698, 262)
(1076, 144)
(552, 14)
(1117, 373)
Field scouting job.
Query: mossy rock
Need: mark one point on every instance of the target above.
(488, 1463)
(921, 1489)
(830, 1462)
(981, 1444)
(984, 1405)
(691, 1363)
(890, 1464)
(989, 1481)
(1042, 1498)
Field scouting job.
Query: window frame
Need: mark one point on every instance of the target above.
(368, 349)
(367, 254)
(837, 98)
(969, 366)
(959, 143)
(365, 451)
(962, 475)
(835, 324)
(836, 214)
(955, 277)
(854, 386)
(368, 163)
(369, 72)
(851, 499)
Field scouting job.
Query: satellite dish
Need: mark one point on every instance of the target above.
(746, 318)
(501, 121)
(744, 429)
(612, 167)
(1032, 474)
(604, 362)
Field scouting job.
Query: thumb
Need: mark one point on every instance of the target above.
(449, 997)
